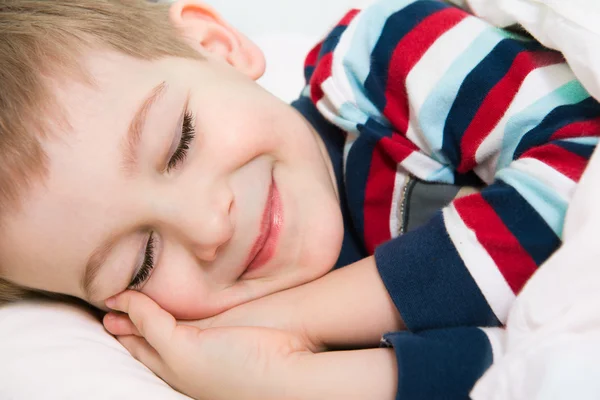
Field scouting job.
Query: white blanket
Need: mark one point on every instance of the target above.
(551, 345)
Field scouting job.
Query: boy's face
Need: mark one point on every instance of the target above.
(248, 210)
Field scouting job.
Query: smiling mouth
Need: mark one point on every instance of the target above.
(265, 245)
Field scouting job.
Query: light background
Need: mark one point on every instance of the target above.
(285, 30)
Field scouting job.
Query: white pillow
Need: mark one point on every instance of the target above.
(57, 351)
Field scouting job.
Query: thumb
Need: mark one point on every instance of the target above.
(153, 323)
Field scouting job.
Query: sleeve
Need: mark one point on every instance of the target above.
(424, 88)
(442, 363)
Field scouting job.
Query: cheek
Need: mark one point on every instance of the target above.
(184, 294)
(323, 242)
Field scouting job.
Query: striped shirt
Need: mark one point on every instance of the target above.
(421, 91)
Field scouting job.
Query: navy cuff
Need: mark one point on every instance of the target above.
(439, 364)
(428, 281)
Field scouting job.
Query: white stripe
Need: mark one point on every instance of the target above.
(334, 97)
(421, 165)
(482, 267)
(558, 183)
(338, 70)
(399, 183)
(537, 85)
(432, 67)
(335, 109)
(327, 109)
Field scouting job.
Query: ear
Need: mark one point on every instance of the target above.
(205, 30)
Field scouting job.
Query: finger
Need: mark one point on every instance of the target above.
(141, 350)
(119, 324)
(155, 324)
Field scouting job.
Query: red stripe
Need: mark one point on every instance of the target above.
(323, 66)
(391, 151)
(590, 127)
(320, 75)
(406, 54)
(567, 163)
(398, 147)
(498, 100)
(380, 188)
(313, 56)
(512, 260)
(348, 18)
(378, 199)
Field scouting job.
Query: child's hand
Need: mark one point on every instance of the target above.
(212, 364)
(282, 311)
(347, 308)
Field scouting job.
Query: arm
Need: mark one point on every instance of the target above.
(443, 363)
(357, 374)
(205, 364)
(349, 307)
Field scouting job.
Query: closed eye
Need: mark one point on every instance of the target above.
(147, 266)
(188, 132)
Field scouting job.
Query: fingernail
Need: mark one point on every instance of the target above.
(111, 302)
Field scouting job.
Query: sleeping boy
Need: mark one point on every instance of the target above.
(143, 170)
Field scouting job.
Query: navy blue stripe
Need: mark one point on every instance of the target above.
(582, 150)
(428, 281)
(395, 28)
(523, 221)
(332, 40)
(475, 89)
(360, 158)
(308, 73)
(440, 364)
(555, 120)
(329, 44)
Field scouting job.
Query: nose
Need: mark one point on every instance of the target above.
(204, 221)
(213, 232)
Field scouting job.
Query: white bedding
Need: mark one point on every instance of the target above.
(56, 351)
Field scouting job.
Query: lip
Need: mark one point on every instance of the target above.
(265, 244)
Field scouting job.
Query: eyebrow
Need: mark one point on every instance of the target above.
(136, 128)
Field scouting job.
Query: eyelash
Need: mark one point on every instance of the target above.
(188, 132)
(147, 266)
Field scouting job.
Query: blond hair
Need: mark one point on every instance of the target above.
(44, 39)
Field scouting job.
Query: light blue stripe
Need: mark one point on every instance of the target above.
(443, 175)
(524, 121)
(436, 108)
(551, 207)
(357, 61)
(350, 118)
(587, 140)
(306, 91)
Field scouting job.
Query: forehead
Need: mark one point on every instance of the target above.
(42, 244)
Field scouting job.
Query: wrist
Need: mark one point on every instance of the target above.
(348, 308)
(356, 374)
